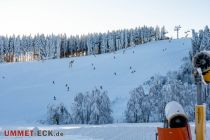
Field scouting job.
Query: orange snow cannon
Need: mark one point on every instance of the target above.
(176, 125)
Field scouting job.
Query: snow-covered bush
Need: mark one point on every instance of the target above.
(58, 114)
(92, 108)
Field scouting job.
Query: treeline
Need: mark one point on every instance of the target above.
(40, 47)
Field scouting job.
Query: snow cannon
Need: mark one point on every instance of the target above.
(202, 61)
(176, 125)
(175, 115)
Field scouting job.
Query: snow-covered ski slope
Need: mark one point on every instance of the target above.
(27, 88)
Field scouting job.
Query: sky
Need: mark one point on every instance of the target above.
(24, 17)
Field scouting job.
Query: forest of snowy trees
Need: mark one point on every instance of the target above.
(40, 47)
(175, 86)
(200, 40)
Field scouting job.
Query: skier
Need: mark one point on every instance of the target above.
(71, 63)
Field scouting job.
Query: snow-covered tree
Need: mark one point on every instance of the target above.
(92, 108)
(58, 114)
(100, 108)
(2, 49)
(157, 33)
(134, 112)
(163, 33)
(79, 109)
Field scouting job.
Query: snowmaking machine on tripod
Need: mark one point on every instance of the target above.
(201, 64)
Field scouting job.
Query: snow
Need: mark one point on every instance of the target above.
(26, 88)
(141, 131)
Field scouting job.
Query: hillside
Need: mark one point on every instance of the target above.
(27, 87)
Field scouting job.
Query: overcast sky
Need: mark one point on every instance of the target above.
(85, 16)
